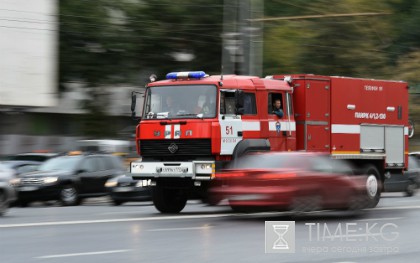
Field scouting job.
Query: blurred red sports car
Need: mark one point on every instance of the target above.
(298, 182)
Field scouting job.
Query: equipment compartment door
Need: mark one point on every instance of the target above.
(317, 115)
(394, 145)
(317, 137)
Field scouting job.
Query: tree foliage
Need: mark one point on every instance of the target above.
(107, 42)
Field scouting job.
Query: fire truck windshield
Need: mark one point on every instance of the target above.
(180, 101)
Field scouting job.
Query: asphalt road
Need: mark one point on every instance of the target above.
(135, 232)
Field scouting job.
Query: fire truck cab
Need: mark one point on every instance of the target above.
(193, 125)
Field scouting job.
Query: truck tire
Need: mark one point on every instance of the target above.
(373, 185)
(168, 201)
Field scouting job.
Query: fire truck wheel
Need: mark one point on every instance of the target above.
(373, 185)
(168, 201)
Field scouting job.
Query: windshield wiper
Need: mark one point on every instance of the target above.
(200, 115)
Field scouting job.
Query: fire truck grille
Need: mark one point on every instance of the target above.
(200, 147)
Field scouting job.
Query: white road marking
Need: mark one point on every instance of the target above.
(179, 229)
(160, 218)
(396, 207)
(84, 254)
(78, 222)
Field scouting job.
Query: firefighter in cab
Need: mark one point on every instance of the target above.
(277, 108)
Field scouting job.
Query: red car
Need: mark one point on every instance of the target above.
(298, 182)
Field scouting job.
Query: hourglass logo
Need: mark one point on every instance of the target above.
(279, 236)
(280, 243)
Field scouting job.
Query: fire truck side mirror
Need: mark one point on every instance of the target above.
(133, 103)
(410, 129)
(239, 111)
(239, 102)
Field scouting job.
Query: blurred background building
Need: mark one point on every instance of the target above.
(34, 114)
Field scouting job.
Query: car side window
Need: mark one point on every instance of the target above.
(89, 165)
(102, 163)
(412, 163)
(110, 162)
(321, 165)
(117, 162)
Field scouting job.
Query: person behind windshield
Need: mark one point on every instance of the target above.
(170, 106)
(207, 108)
(277, 108)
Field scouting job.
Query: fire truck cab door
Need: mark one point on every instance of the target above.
(230, 122)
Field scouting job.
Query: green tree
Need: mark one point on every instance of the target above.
(109, 42)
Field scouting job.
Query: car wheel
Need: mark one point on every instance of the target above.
(3, 204)
(117, 202)
(303, 204)
(69, 195)
(358, 202)
(373, 185)
(240, 208)
(23, 203)
(168, 200)
(411, 189)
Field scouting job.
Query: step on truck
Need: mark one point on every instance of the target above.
(193, 125)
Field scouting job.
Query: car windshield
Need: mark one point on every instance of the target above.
(180, 101)
(63, 163)
(30, 157)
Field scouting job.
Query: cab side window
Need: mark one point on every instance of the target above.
(227, 103)
(250, 107)
(272, 97)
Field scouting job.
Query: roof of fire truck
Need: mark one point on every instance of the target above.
(224, 81)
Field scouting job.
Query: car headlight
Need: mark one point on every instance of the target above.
(50, 180)
(111, 183)
(14, 181)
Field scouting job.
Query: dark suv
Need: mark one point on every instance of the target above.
(68, 178)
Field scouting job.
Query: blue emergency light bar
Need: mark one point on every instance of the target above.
(186, 75)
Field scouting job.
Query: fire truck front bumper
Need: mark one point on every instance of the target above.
(196, 170)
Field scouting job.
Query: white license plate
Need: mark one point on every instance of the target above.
(174, 169)
(28, 188)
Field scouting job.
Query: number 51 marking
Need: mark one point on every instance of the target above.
(229, 130)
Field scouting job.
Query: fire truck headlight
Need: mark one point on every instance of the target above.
(135, 167)
(204, 168)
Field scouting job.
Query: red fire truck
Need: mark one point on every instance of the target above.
(193, 124)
